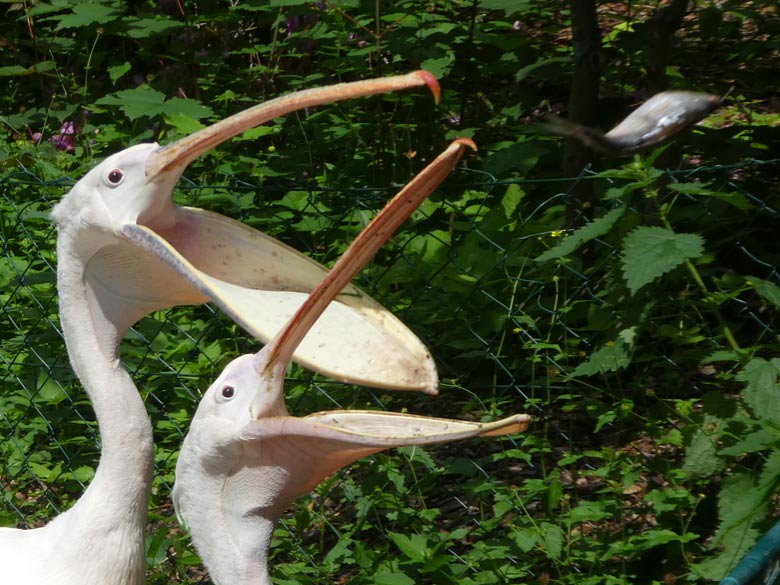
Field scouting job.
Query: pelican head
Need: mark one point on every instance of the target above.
(142, 252)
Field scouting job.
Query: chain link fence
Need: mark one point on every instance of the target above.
(505, 330)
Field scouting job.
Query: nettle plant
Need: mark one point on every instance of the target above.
(690, 298)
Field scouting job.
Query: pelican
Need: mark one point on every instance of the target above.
(124, 250)
(245, 459)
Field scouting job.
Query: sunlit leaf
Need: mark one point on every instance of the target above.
(767, 290)
(18, 70)
(142, 28)
(762, 392)
(415, 546)
(612, 357)
(594, 229)
(650, 252)
(117, 71)
(86, 14)
(701, 458)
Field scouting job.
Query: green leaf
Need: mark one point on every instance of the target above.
(770, 475)
(393, 579)
(117, 71)
(596, 228)
(701, 459)
(760, 440)
(339, 551)
(135, 103)
(84, 15)
(524, 72)
(526, 539)
(587, 511)
(511, 199)
(8, 519)
(552, 539)
(255, 133)
(721, 355)
(439, 66)
(767, 290)
(740, 504)
(612, 357)
(670, 499)
(508, 6)
(186, 107)
(18, 70)
(650, 252)
(520, 155)
(141, 28)
(762, 393)
(738, 200)
(50, 392)
(647, 540)
(144, 101)
(12, 70)
(735, 545)
(84, 473)
(414, 546)
(183, 123)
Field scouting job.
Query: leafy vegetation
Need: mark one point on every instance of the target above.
(637, 323)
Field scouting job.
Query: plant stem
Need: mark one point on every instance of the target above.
(696, 275)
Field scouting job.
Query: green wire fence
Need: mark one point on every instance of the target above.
(510, 333)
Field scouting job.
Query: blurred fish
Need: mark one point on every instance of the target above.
(656, 121)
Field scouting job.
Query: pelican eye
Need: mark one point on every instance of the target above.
(115, 177)
(228, 392)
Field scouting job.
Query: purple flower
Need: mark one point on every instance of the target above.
(63, 142)
(68, 128)
(66, 139)
(292, 23)
(295, 22)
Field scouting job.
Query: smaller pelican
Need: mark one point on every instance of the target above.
(245, 459)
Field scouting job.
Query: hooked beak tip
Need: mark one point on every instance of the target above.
(467, 143)
(433, 84)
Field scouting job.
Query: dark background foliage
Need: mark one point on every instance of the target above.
(628, 303)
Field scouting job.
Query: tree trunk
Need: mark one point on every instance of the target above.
(660, 32)
(583, 98)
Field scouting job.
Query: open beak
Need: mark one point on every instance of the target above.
(172, 159)
(325, 441)
(180, 256)
(313, 447)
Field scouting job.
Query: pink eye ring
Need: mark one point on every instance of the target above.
(115, 177)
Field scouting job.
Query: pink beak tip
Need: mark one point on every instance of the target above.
(466, 142)
(433, 84)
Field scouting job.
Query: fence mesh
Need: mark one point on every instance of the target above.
(494, 322)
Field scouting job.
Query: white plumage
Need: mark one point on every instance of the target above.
(124, 250)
